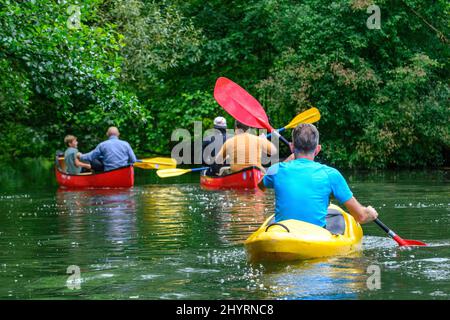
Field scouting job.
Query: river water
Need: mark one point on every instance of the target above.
(169, 239)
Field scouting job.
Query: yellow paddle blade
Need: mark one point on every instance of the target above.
(169, 162)
(142, 165)
(156, 163)
(167, 173)
(309, 116)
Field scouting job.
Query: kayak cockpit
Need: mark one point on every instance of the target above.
(299, 240)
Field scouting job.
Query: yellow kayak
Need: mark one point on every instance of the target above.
(297, 240)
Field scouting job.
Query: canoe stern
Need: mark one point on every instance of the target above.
(245, 179)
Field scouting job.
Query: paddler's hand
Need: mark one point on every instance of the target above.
(371, 214)
(263, 135)
(359, 212)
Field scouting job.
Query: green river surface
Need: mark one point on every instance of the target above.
(170, 239)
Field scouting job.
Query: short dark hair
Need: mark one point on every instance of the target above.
(240, 125)
(69, 139)
(305, 138)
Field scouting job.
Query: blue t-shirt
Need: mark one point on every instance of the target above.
(303, 188)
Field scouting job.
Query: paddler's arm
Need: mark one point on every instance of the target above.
(267, 146)
(91, 156)
(343, 194)
(220, 157)
(268, 179)
(131, 156)
(361, 213)
(81, 164)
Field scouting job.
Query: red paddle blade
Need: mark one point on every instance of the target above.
(405, 242)
(240, 104)
(415, 243)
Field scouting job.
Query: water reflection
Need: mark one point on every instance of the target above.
(240, 213)
(113, 209)
(179, 241)
(328, 278)
(201, 218)
(165, 215)
(99, 227)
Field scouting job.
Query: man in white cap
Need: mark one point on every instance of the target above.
(220, 123)
(214, 142)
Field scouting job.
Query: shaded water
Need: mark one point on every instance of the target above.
(169, 239)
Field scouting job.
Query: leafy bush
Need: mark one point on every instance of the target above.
(150, 67)
(59, 80)
(383, 99)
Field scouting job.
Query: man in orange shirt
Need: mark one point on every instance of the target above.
(244, 149)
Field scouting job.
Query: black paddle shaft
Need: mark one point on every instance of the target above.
(393, 235)
(382, 225)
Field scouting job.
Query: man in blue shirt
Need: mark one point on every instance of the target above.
(113, 153)
(303, 186)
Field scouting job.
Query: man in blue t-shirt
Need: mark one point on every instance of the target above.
(303, 187)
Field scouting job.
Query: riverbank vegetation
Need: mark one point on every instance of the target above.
(150, 66)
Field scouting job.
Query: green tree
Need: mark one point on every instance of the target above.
(383, 94)
(150, 66)
(58, 80)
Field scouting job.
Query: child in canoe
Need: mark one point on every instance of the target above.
(73, 164)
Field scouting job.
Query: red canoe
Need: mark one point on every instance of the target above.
(247, 178)
(117, 178)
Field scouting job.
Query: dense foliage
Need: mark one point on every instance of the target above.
(56, 79)
(150, 66)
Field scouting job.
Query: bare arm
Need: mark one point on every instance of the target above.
(359, 212)
(222, 154)
(80, 164)
(267, 146)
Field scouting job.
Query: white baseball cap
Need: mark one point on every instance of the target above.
(220, 122)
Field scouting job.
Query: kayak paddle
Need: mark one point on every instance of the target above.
(168, 173)
(401, 242)
(242, 106)
(156, 163)
(309, 116)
